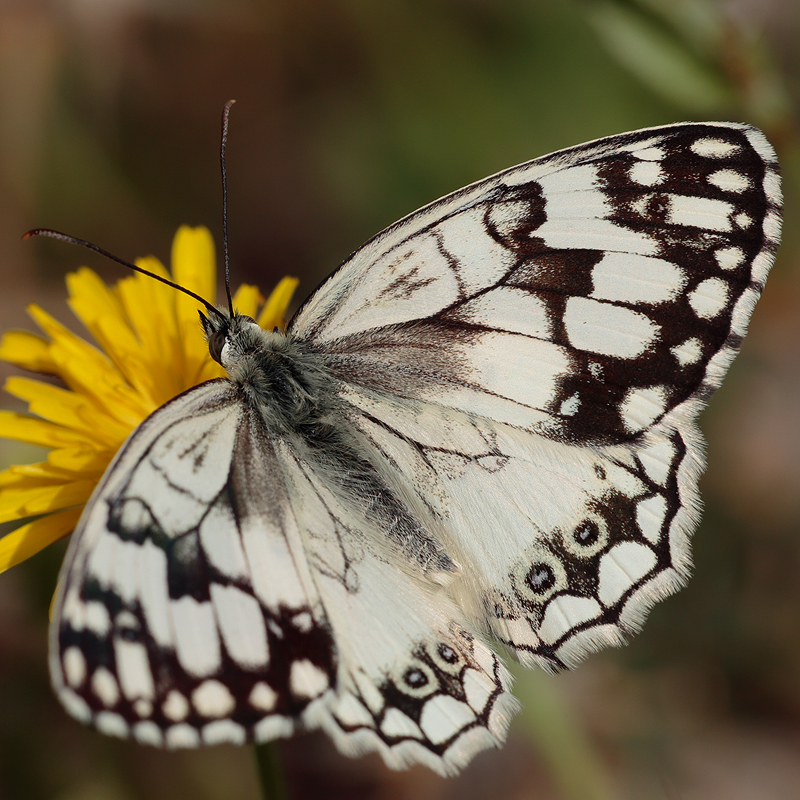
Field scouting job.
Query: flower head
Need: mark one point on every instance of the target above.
(151, 349)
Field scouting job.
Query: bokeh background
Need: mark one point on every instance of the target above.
(350, 114)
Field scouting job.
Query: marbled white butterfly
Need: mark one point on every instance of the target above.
(479, 429)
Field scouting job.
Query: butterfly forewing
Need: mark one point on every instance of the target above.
(164, 630)
(482, 425)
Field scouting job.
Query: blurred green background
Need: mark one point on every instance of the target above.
(350, 114)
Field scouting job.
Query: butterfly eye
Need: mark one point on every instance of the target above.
(216, 342)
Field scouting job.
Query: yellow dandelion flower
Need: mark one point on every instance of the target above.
(150, 350)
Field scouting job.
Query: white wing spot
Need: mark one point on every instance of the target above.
(700, 212)
(621, 568)
(144, 708)
(397, 724)
(564, 613)
(650, 514)
(74, 666)
(709, 298)
(196, 637)
(105, 688)
(517, 631)
(640, 206)
(642, 406)
(241, 623)
(443, 717)
(687, 352)
(182, 736)
(154, 593)
(125, 581)
(631, 278)
(570, 406)
(505, 217)
(729, 257)
(507, 308)
(133, 669)
(224, 731)
(213, 699)
(148, 733)
(479, 260)
(221, 543)
(484, 656)
(263, 697)
(307, 679)
(606, 329)
(351, 712)
(729, 180)
(478, 688)
(303, 621)
(772, 186)
(743, 220)
(96, 618)
(75, 705)
(710, 147)
(272, 727)
(112, 724)
(126, 619)
(646, 173)
(650, 154)
(514, 366)
(369, 692)
(657, 461)
(176, 706)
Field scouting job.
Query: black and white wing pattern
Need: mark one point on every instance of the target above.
(529, 355)
(220, 589)
(482, 426)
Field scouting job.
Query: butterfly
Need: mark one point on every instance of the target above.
(476, 436)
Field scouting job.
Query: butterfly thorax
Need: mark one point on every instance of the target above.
(277, 374)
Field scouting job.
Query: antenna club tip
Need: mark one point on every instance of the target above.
(37, 232)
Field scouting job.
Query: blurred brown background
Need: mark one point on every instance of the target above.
(350, 114)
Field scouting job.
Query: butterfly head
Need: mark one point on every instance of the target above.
(230, 337)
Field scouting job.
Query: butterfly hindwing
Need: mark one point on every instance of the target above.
(563, 549)
(415, 681)
(186, 612)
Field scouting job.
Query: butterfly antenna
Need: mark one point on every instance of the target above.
(64, 237)
(226, 112)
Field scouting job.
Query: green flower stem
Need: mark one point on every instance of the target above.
(270, 771)
(577, 770)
